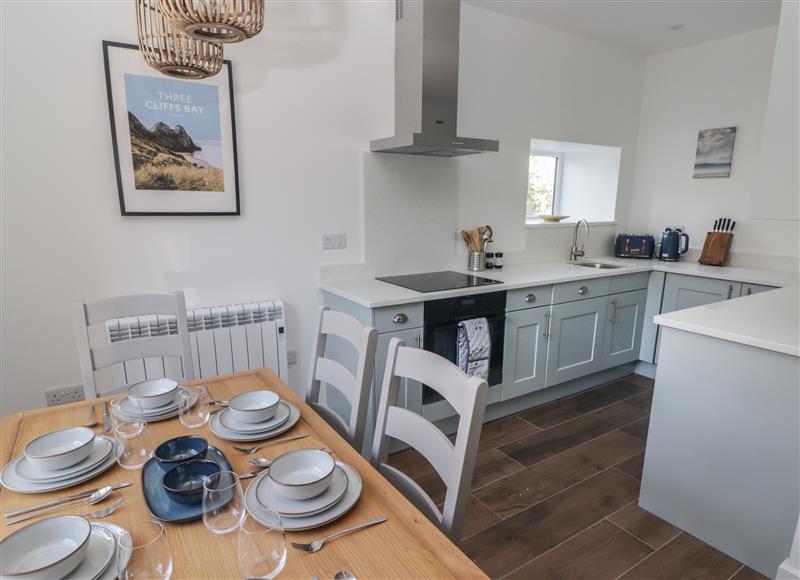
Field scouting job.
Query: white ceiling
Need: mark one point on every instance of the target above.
(643, 26)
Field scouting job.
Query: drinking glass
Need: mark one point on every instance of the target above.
(196, 415)
(132, 441)
(261, 545)
(223, 502)
(143, 552)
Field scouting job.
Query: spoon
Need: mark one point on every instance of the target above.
(344, 575)
(261, 462)
(96, 497)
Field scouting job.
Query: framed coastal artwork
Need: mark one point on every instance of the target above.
(714, 152)
(174, 140)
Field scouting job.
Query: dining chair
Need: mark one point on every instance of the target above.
(98, 354)
(453, 461)
(354, 386)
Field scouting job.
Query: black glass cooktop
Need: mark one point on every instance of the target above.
(436, 281)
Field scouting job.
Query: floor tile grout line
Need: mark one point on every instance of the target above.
(735, 573)
(650, 555)
(630, 533)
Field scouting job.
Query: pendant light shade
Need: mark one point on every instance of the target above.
(216, 20)
(171, 52)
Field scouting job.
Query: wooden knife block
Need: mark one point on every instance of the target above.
(716, 248)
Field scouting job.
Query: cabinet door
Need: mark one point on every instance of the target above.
(623, 335)
(525, 352)
(576, 339)
(682, 292)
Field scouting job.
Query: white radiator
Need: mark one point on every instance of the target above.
(224, 339)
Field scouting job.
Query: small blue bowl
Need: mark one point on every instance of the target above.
(180, 449)
(184, 482)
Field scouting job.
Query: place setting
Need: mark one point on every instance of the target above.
(253, 416)
(159, 399)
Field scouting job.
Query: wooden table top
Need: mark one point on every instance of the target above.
(407, 546)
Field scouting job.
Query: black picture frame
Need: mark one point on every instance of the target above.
(109, 44)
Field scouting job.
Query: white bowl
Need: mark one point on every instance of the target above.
(49, 548)
(153, 393)
(60, 449)
(302, 474)
(254, 406)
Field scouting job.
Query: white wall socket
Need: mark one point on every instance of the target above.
(62, 395)
(334, 241)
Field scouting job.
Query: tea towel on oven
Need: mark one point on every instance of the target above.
(474, 347)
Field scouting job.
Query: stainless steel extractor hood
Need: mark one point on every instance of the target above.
(426, 83)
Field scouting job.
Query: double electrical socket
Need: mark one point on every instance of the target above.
(334, 241)
(62, 395)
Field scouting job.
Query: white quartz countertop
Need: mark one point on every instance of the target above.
(768, 320)
(373, 293)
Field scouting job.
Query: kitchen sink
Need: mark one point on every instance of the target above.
(598, 265)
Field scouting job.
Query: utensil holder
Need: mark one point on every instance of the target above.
(476, 261)
(716, 248)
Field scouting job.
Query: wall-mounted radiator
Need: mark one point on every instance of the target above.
(224, 339)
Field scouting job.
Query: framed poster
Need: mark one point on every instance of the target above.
(714, 152)
(174, 140)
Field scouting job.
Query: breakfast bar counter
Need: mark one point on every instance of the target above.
(408, 545)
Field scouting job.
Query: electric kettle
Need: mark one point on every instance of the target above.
(669, 249)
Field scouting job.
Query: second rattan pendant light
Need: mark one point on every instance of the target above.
(216, 20)
(171, 52)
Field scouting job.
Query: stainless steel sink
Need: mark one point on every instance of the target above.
(597, 265)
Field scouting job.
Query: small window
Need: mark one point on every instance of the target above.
(543, 184)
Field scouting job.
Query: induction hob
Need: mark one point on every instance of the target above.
(436, 281)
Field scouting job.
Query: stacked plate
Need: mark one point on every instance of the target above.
(62, 547)
(154, 400)
(58, 460)
(254, 416)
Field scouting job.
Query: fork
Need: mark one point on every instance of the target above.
(316, 545)
(249, 450)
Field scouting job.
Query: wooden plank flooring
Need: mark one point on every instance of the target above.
(555, 496)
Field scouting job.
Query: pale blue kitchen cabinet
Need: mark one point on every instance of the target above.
(577, 330)
(525, 354)
(623, 336)
(682, 291)
(748, 289)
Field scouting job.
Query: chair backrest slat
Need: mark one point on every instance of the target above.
(132, 305)
(423, 436)
(334, 373)
(117, 352)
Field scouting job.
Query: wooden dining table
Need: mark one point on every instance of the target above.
(407, 546)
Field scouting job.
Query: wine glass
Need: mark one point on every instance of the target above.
(132, 440)
(223, 502)
(193, 416)
(261, 544)
(143, 552)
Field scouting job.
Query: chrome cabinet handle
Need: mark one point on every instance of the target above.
(400, 318)
(613, 318)
(730, 291)
(583, 290)
(749, 291)
(530, 298)
(546, 332)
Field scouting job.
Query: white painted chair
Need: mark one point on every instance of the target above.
(355, 388)
(128, 361)
(454, 462)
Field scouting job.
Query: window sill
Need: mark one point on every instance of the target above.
(536, 224)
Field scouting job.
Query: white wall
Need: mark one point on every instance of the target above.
(717, 84)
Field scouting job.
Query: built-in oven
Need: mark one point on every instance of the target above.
(440, 333)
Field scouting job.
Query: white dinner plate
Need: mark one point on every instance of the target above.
(298, 524)
(228, 421)
(224, 433)
(159, 414)
(9, 478)
(99, 556)
(111, 572)
(268, 495)
(101, 447)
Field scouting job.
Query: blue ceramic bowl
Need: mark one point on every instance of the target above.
(184, 482)
(180, 449)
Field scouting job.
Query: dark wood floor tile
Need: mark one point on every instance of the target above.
(580, 404)
(685, 557)
(540, 446)
(414, 465)
(504, 431)
(649, 528)
(638, 428)
(747, 573)
(641, 380)
(633, 466)
(491, 465)
(515, 541)
(516, 492)
(478, 517)
(602, 552)
(643, 401)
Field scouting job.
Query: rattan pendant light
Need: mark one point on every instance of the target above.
(171, 52)
(216, 20)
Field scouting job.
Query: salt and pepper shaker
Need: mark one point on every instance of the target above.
(489, 260)
(498, 260)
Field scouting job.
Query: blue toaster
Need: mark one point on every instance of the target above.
(634, 246)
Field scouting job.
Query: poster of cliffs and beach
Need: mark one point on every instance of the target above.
(175, 136)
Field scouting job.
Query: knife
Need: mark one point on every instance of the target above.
(716, 223)
(106, 419)
(59, 501)
(733, 225)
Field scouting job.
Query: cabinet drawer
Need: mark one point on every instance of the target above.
(531, 297)
(629, 282)
(580, 290)
(399, 317)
